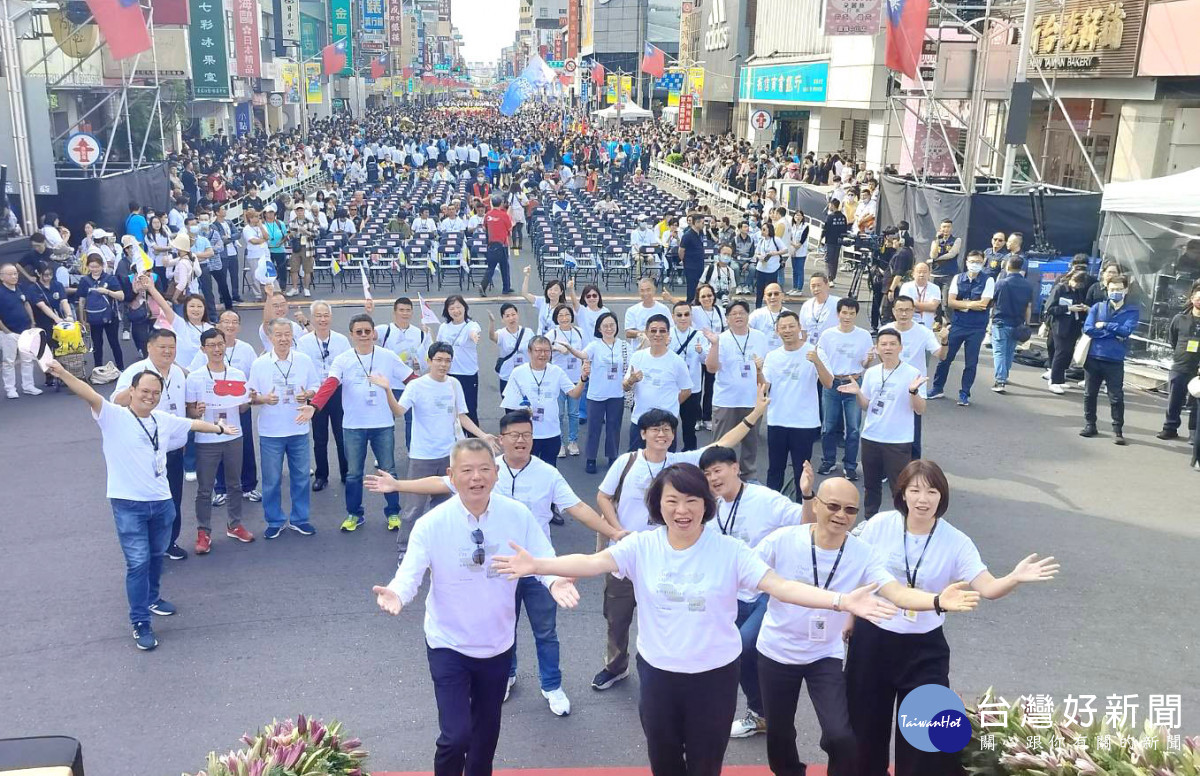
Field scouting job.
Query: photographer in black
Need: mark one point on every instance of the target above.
(891, 262)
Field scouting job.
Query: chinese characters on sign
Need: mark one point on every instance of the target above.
(289, 12)
(206, 38)
(395, 16)
(1075, 38)
(1163, 711)
(684, 120)
(339, 29)
(372, 13)
(852, 17)
(249, 58)
(803, 82)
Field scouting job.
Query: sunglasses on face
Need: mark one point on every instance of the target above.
(834, 507)
(477, 557)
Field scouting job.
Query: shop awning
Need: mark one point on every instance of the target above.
(1172, 195)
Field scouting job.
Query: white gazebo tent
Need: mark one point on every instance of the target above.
(629, 112)
(1152, 227)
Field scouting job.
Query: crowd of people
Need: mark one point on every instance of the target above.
(732, 582)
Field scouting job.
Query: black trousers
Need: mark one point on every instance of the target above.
(880, 459)
(761, 281)
(689, 416)
(469, 693)
(547, 449)
(686, 718)
(882, 668)
(175, 481)
(1060, 358)
(210, 302)
(691, 276)
(497, 256)
(470, 386)
(781, 684)
(709, 384)
(1177, 399)
(833, 257)
(329, 416)
(229, 268)
(784, 442)
(1112, 375)
(112, 331)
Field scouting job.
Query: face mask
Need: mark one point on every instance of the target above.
(974, 268)
(1117, 296)
(194, 229)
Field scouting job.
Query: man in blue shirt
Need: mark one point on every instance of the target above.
(135, 222)
(1109, 324)
(970, 295)
(1013, 302)
(16, 315)
(691, 253)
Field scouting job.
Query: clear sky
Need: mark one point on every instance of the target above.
(487, 26)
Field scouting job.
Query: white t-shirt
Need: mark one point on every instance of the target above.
(187, 339)
(631, 509)
(241, 356)
(888, 417)
(288, 379)
(637, 315)
(816, 319)
(267, 345)
(797, 635)
(752, 515)
(136, 472)
(843, 352)
(199, 388)
(323, 352)
(566, 361)
(436, 407)
(914, 345)
(693, 353)
(663, 377)
(466, 352)
(931, 293)
(764, 320)
(736, 384)
(609, 365)
(364, 404)
(711, 320)
(255, 252)
(949, 556)
(793, 380)
(545, 314)
(507, 342)
(537, 392)
(537, 485)
(585, 319)
(174, 391)
(687, 599)
(411, 345)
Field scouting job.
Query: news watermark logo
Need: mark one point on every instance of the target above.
(933, 719)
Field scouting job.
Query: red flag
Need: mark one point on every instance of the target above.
(598, 74)
(654, 61)
(123, 26)
(333, 57)
(906, 20)
(378, 67)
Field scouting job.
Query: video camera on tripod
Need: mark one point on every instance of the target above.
(863, 248)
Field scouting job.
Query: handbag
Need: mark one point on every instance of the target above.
(1081, 350)
(500, 361)
(1193, 386)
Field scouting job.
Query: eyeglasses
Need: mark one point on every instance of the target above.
(518, 436)
(835, 507)
(477, 556)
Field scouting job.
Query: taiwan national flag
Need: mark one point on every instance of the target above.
(906, 20)
(333, 57)
(598, 74)
(123, 26)
(379, 67)
(654, 61)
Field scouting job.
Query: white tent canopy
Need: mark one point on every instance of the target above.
(629, 112)
(1172, 195)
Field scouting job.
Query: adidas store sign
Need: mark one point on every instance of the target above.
(716, 37)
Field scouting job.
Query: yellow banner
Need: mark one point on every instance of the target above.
(397, 87)
(312, 83)
(626, 87)
(289, 73)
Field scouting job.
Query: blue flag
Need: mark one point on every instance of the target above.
(519, 90)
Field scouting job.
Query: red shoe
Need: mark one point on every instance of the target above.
(240, 533)
(203, 542)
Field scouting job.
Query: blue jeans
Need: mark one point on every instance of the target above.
(1004, 348)
(542, 611)
(749, 623)
(971, 340)
(189, 453)
(273, 450)
(837, 406)
(144, 530)
(568, 410)
(798, 272)
(383, 445)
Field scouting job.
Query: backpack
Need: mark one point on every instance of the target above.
(97, 307)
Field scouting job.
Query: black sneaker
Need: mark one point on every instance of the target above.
(175, 552)
(827, 468)
(852, 475)
(1119, 439)
(163, 608)
(1167, 434)
(1088, 431)
(590, 467)
(606, 679)
(143, 636)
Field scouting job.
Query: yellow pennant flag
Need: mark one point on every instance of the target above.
(432, 268)
(335, 266)
(466, 255)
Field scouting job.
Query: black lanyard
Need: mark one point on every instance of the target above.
(282, 373)
(812, 535)
(727, 526)
(911, 576)
(651, 471)
(884, 380)
(223, 374)
(152, 437)
(366, 369)
(741, 348)
(537, 382)
(230, 352)
(514, 475)
(324, 346)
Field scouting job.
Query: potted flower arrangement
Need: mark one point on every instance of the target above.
(300, 747)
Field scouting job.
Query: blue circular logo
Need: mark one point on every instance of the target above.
(933, 719)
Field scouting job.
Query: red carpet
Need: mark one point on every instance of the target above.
(729, 770)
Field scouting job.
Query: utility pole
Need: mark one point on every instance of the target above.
(1010, 151)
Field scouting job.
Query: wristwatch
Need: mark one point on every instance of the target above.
(914, 391)
(807, 496)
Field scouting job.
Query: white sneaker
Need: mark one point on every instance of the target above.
(508, 687)
(31, 391)
(1046, 375)
(573, 448)
(125, 335)
(749, 725)
(291, 293)
(1059, 389)
(562, 451)
(11, 394)
(189, 476)
(560, 704)
(308, 292)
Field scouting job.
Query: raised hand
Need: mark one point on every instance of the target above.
(710, 336)
(863, 603)
(850, 387)
(514, 566)
(381, 482)
(807, 478)
(916, 384)
(811, 356)
(958, 597)
(388, 599)
(635, 376)
(1031, 569)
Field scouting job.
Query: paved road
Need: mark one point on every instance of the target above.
(269, 630)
